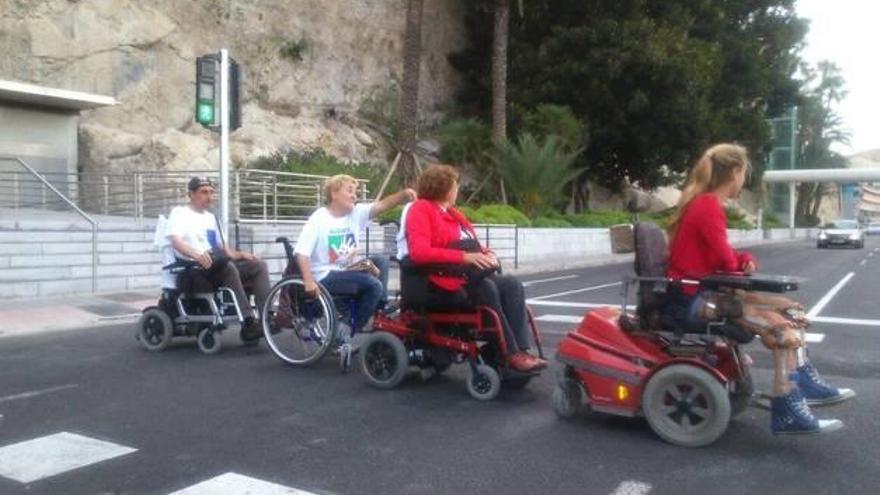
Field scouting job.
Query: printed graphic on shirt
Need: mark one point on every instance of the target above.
(212, 239)
(342, 245)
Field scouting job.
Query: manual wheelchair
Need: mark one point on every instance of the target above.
(686, 382)
(183, 312)
(300, 330)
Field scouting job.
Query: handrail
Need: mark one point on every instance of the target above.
(75, 208)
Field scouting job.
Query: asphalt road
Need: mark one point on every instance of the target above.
(170, 421)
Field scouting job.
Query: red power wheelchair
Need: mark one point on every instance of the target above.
(433, 338)
(687, 383)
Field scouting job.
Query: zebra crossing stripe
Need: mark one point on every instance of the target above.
(237, 483)
(47, 456)
(632, 488)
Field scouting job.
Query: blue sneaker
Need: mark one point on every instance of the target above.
(790, 415)
(816, 391)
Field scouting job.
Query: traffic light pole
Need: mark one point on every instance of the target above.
(224, 142)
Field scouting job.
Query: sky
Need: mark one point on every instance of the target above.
(846, 32)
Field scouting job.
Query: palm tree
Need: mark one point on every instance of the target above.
(500, 33)
(409, 94)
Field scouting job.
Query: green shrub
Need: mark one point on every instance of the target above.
(535, 171)
(556, 120)
(294, 49)
(465, 142)
(599, 218)
(494, 213)
(771, 222)
(318, 162)
(547, 222)
(737, 220)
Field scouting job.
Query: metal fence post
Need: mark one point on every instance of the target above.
(265, 199)
(15, 192)
(274, 199)
(488, 242)
(368, 241)
(516, 246)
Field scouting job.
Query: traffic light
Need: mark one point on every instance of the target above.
(208, 92)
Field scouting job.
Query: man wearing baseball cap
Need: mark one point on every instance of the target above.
(195, 234)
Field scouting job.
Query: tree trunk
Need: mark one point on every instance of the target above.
(499, 76)
(409, 93)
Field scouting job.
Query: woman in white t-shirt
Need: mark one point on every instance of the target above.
(328, 245)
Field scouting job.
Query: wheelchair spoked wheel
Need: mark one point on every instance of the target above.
(483, 382)
(384, 360)
(299, 331)
(155, 329)
(686, 406)
(209, 341)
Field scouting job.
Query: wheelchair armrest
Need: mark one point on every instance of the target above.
(181, 265)
(388, 221)
(752, 282)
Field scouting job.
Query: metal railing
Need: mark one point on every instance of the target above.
(255, 195)
(46, 185)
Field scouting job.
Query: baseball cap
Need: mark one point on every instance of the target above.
(196, 182)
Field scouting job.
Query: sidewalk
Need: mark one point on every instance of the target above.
(20, 317)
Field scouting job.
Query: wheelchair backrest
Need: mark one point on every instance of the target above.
(650, 261)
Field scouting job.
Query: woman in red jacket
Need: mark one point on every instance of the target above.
(699, 247)
(434, 231)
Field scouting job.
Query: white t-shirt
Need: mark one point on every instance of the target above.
(402, 247)
(199, 230)
(331, 243)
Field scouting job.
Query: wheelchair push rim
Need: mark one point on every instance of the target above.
(299, 331)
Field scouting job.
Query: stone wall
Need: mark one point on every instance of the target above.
(143, 53)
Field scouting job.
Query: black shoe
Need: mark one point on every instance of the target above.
(251, 330)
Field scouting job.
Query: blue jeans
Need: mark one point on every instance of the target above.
(370, 292)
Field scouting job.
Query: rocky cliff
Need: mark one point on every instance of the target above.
(308, 67)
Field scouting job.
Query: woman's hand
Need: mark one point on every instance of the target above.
(749, 267)
(480, 260)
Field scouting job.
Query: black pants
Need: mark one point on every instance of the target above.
(235, 275)
(504, 294)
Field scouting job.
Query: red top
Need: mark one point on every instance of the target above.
(429, 230)
(700, 245)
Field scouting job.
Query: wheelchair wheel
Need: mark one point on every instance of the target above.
(686, 406)
(209, 341)
(155, 329)
(384, 360)
(568, 398)
(483, 382)
(299, 331)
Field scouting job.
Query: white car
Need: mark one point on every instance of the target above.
(841, 233)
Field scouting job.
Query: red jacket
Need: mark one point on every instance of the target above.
(700, 245)
(429, 230)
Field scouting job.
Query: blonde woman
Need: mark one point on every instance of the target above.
(699, 247)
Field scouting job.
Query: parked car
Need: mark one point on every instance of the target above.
(872, 229)
(841, 233)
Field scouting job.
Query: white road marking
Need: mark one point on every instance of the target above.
(543, 280)
(560, 318)
(34, 393)
(862, 263)
(846, 321)
(814, 338)
(632, 488)
(829, 296)
(47, 456)
(566, 304)
(576, 291)
(870, 255)
(237, 483)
